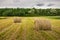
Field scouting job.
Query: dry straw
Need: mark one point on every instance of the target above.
(42, 24)
(17, 20)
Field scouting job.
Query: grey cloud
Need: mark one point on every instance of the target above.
(50, 0)
(29, 3)
(40, 4)
(50, 4)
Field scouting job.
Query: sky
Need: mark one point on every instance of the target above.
(30, 3)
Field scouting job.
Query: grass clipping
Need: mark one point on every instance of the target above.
(17, 20)
(42, 24)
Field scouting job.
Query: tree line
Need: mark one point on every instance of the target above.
(29, 12)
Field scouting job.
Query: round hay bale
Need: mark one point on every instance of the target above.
(17, 20)
(42, 24)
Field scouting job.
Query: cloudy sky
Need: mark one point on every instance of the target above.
(30, 3)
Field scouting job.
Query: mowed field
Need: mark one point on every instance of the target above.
(24, 30)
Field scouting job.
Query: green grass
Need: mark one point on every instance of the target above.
(24, 30)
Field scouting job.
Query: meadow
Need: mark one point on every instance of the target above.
(24, 30)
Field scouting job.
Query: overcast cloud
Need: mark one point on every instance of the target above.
(30, 3)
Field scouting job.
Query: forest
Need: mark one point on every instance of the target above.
(29, 12)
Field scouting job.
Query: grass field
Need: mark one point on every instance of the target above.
(24, 30)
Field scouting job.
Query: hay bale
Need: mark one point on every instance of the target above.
(17, 20)
(42, 24)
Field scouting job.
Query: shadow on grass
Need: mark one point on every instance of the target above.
(54, 17)
(57, 18)
(3, 18)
